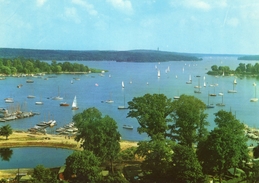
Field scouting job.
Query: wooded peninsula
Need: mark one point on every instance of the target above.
(242, 69)
(119, 56)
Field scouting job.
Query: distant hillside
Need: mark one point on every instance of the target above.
(249, 57)
(119, 56)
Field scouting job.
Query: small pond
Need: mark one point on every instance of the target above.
(30, 157)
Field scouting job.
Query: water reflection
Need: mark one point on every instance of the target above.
(6, 154)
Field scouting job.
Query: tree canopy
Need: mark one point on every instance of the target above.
(189, 120)
(6, 131)
(82, 166)
(153, 114)
(225, 146)
(185, 165)
(42, 175)
(98, 134)
(242, 68)
(22, 65)
(157, 156)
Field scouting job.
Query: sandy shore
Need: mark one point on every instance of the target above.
(25, 139)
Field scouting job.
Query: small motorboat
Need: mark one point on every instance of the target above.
(64, 104)
(128, 127)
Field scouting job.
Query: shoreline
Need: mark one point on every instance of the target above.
(26, 139)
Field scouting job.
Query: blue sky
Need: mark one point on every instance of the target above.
(193, 26)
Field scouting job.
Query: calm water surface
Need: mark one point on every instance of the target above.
(30, 157)
(109, 87)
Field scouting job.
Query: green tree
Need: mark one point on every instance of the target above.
(189, 120)
(214, 68)
(43, 175)
(249, 67)
(82, 166)
(153, 114)
(29, 67)
(114, 178)
(241, 67)
(157, 155)
(256, 151)
(185, 165)
(225, 146)
(5, 70)
(98, 134)
(6, 131)
(128, 154)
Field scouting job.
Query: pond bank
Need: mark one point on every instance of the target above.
(26, 139)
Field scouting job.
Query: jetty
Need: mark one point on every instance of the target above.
(5, 115)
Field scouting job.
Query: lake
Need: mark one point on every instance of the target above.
(139, 78)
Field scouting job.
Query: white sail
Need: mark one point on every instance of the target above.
(158, 73)
(122, 84)
(255, 99)
(74, 104)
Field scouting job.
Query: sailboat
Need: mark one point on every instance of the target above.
(57, 97)
(31, 96)
(158, 73)
(213, 94)
(233, 91)
(74, 104)
(209, 105)
(122, 84)
(199, 87)
(109, 101)
(254, 99)
(235, 81)
(221, 104)
(123, 106)
(190, 80)
(39, 103)
(177, 96)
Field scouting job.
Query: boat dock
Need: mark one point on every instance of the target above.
(6, 116)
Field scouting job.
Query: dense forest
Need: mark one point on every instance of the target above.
(249, 57)
(21, 65)
(119, 56)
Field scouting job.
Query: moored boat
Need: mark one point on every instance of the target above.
(128, 127)
(64, 104)
(30, 96)
(9, 100)
(74, 104)
(29, 81)
(19, 86)
(39, 103)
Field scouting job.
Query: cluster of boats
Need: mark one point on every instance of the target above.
(5, 115)
(67, 129)
(252, 133)
(41, 127)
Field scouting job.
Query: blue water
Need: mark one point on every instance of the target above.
(90, 95)
(30, 157)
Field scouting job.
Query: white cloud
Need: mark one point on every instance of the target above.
(122, 5)
(204, 5)
(89, 7)
(198, 4)
(233, 22)
(41, 2)
(71, 13)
